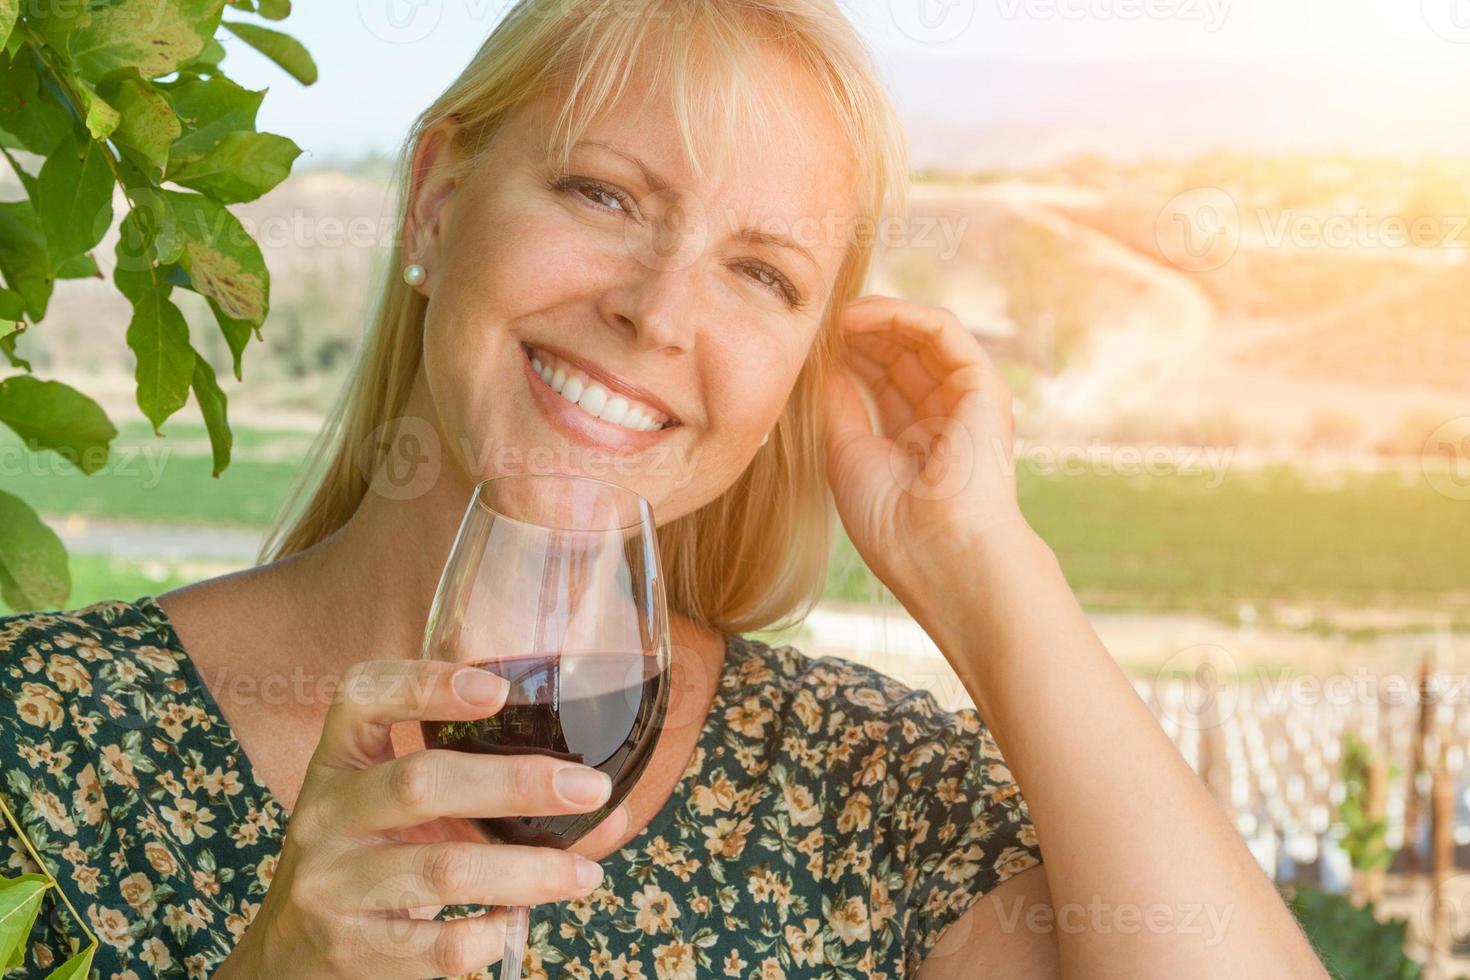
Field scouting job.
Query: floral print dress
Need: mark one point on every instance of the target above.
(831, 821)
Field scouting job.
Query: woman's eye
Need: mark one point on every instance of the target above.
(592, 190)
(774, 281)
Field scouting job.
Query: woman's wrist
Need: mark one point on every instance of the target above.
(958, 571)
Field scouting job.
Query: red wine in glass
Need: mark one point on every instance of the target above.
(599, 709)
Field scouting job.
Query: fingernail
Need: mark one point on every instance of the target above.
(589, 873)
(580, 784)
(478, 686)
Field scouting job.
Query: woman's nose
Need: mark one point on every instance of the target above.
(656, 309)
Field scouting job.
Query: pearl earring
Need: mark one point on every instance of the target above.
(766, 439)
(413, 274)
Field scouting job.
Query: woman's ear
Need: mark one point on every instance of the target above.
(432, 183)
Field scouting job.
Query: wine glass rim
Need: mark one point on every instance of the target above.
(645, 509)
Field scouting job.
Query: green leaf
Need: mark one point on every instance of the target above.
(8, 338)
(269, 9)
(9, 12)
(75, 206)
(212, 404)
(28, 121)
(79, 267)
(55, 416)
(209, 110)
(33, 572)
(237, 334)
(146, 230)
(23, 257)
(148, 125)
(149, 35)
(79, 967)
(20, 900)
(159, 335)
(241, 168)
(283, 49)
(101, 118)
(56, 22)
(12, 306)
(223, 262)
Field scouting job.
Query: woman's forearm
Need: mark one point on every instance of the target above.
(1147, 875)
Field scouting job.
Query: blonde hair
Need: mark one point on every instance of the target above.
(756, 557)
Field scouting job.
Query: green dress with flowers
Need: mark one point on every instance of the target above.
(830, 823)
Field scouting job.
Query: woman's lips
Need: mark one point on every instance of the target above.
(598, 393)
(578, 422)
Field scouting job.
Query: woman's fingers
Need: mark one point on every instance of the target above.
(926, 355)
(459, 872)
(422, 786)
(416, 948)
(375, 694)
(898, 381)
(936, 334)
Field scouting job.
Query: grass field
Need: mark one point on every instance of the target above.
(1163, 542)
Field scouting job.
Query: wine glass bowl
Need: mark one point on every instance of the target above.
(554, 584)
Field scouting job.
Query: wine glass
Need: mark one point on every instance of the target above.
(554, 584)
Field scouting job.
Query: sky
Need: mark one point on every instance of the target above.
(1403, 64)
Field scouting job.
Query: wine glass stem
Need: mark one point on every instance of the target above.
(517, 928)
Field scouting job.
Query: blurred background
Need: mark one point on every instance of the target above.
(1220, 249)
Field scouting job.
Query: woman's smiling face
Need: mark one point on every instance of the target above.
(634, 286)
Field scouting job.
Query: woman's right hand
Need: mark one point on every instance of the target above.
(373, 837)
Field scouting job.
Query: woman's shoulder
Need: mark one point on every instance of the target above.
(88, 631)
(59, 668)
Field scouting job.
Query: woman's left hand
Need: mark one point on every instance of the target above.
(939, 473)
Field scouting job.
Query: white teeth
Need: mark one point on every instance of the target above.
(593, 398)
(616, 411)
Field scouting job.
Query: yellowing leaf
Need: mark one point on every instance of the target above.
(153, 36)
(223, 262)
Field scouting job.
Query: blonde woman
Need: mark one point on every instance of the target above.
(671, 204)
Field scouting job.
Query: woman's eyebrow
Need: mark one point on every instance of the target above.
(749, 234)
(756, 236)
(653, 180)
